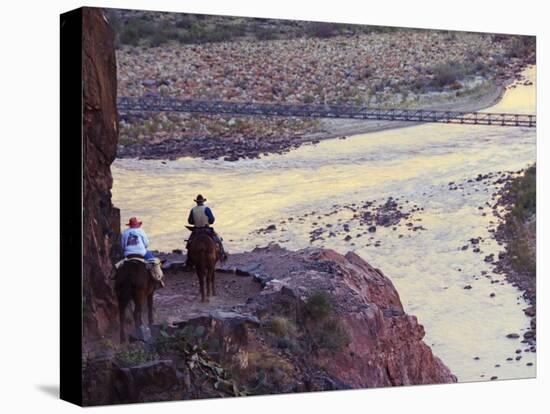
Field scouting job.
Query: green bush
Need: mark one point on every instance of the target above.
(521, 224)
(446, 74)
(135, 355)
(282, 327)
(331, 335)
(522, 255)
(325, 330)
(321, 29)
(521, 46)
(524, 190)
(318, 306)
(185, 21)
(263, 33)
(451, 72)
(133, 31)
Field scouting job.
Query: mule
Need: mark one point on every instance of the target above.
(133, 282)
(203, 254)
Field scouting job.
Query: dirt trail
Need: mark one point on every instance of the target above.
(179, 300)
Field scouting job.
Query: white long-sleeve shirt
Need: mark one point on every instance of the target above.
(134, 241)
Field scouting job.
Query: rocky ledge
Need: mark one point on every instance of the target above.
(316, 321)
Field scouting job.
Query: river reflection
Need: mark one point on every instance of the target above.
(428, 267)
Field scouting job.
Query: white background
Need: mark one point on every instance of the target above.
(29, 229)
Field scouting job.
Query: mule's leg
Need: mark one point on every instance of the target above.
(208, 282)
(121, 314)
(139, 301)
(150, 308)
(213, 280)
(200, 274)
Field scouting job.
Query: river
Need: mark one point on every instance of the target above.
(466, 328)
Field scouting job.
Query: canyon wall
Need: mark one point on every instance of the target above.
(101, 221)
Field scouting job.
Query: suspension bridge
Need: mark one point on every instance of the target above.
(167, 104)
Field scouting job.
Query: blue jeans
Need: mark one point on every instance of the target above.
(148, 256)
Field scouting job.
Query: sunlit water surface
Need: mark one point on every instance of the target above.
(427, 267)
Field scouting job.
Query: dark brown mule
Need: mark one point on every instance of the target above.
(134, 282)
(203, 254)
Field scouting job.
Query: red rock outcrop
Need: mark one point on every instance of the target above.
(385, 346)
(101, 222)
(354, 335)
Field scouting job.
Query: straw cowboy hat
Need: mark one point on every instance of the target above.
(199, 199)
(134, 223)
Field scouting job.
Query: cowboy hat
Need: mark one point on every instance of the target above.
(199, 199)
(134, 222)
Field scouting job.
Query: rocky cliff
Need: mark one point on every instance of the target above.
(317, 321)
(101, 222)
(363, 338)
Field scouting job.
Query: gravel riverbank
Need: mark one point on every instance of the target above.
(403, 68)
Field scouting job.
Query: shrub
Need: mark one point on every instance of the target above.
(419, 84)
(331, 335)
(185, 21)
(325, 330)
(523, 254)
(318, 306)
(309, 99)
(450, 72)
(135, 355)
(282, 327)
(455, 86)
(521, 46)
(321, 29)
(264, 33)
(521, 224)
(524, 190)
(445, 74)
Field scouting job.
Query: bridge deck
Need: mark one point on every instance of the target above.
(163, 104)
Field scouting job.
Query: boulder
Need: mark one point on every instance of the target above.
(150, 381)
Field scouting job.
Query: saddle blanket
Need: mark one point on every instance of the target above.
(153, 265)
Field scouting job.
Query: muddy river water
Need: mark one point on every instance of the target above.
(466, 328)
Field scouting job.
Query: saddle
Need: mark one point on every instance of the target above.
(209, 231)
(200, 230)
(153, 266)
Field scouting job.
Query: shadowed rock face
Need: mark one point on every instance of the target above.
(101, 221)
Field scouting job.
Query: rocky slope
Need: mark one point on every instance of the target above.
(101, 221)
(317, 321)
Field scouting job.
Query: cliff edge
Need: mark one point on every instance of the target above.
(101, 220)
(283, 322)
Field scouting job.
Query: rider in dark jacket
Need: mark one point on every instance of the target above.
(201, 216)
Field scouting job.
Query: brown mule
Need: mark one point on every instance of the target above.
(203, 254)
(134, 282)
